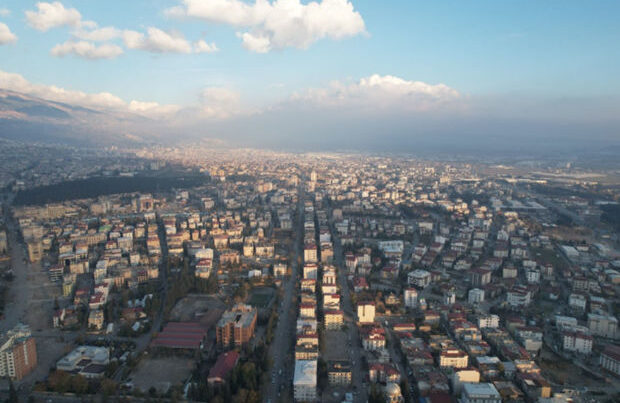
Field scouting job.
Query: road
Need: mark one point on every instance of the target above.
(283, 343)
(355, 351)
(143, 341)
(19, 293)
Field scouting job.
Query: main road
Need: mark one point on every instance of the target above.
(283, 343)
(355, 351)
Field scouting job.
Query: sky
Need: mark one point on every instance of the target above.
(362, 71)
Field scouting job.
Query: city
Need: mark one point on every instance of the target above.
(313, 277)
(309, 201)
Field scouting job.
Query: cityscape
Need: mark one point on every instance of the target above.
(339, 201)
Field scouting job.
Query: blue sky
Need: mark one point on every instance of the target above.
(512, 51)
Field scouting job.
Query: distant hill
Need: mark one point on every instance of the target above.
(27, 118)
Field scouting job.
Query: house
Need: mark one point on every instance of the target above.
(224, 364)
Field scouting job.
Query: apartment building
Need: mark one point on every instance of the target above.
(236, 326)
(18, 353)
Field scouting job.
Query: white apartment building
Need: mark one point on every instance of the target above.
(411, 297)
(366, 312)
(304, 381)
(475, 296)
(578, 342)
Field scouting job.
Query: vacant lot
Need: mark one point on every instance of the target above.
(336, 347)
(203, 308)
(161, 373)
(261, 297)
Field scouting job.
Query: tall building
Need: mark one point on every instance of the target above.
(603, 325)
(18, 353)
(411, 297)
(35, 250)
(304, 382)
(366, 312)
(236, 326)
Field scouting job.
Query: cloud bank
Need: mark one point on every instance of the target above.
(278, 24)
(6, 36)
(87, 50)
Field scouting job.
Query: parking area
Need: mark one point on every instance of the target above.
(161, 373)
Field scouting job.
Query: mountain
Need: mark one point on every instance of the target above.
(28, 118)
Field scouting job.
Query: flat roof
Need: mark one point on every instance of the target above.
(305, 373)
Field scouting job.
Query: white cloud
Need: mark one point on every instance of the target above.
(98, 34)
(100, 101)
(52, 15)
(381, 92)
(5, 12)
(157, 41)
(153, 109)
(278, 24)
(220, 103)
(87, 50)
(202, 46)
(258, 44)
(6, 36)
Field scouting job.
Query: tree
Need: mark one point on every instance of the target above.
(12, 393)
(376, 395)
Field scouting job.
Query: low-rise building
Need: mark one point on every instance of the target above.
(480, 393)
(339, 373)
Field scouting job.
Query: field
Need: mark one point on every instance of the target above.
(261, 297)
(202, 308)
(99, 186)
(161, 373)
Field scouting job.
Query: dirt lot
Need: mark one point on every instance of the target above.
(261, 297)
(161, 373)
(561, 371)
(203, 308)
(336, 347)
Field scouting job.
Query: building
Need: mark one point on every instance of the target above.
(310, 271)
(310, 253)
(95, 319)
(89, 361)
(475, 296)
(224, 364)
(453, 358)
(518, 297)
(578, 342)
(480, 277)
(35, 250)
(411, 297)
(419, 278)
(480, 393)
(18, 353)
(334, 319)
(467, 375)
(603, 325)
(236, 326)
(366, 312)
(393, 393)
(339, 372)
(610, 359)
(488, 321)
(304, 381)
(181, 335)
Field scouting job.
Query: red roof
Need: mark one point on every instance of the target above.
(181, 335)
(612, 352)
(224, 364)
